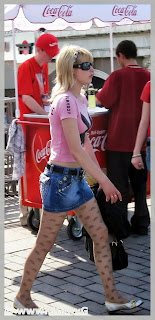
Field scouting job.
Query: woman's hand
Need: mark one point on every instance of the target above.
(138, 162)
(111, 192)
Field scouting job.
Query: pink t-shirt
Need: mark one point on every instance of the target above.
(64, 106)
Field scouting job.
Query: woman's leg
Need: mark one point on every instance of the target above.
(92, 220)
(49, 228)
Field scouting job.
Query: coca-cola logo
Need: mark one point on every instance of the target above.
(126, 11)
(40, 151)
(61, 12)
(43, 153)
(98, 140)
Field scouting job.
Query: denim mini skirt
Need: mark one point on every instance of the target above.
(63, 189)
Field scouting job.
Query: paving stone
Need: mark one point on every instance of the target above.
(77, 280)
(14, 258)
(94, 296)
(14, 266)
(68, 287)
(7, 290)
(95, 279)
(59, 274)
(138, 260)
(52, 280)
(44, 287)
(146, 263)
(88, 266)
(146, 278)
(144, 312)
(131, 273)
(137, 253)
(144, 295)
(145, 287)
(145, 270)
(69, 297)
(81, 273)
(132, 281)
(137, 247)
(130, 289)
(135, 266)
(8, 282)
(10, 296)
(10, 274)
(96, 287)
(41, 297)
(146, 305)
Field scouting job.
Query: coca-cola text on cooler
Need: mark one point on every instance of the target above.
(98, 141)
(126, 11)
(59, 12)
(41, 148)
(43, 153)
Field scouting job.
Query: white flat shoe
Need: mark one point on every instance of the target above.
(28, 311)
(112, 307)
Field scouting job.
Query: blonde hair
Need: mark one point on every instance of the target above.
(68, 55)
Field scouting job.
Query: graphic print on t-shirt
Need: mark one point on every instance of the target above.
(88, 125)
(40, 82)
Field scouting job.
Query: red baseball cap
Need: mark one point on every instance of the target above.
(48, 43)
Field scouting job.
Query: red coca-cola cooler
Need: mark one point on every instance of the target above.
(37, 136)
(38, 141)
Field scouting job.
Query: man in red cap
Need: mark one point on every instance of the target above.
(33, 85)
(33, 76)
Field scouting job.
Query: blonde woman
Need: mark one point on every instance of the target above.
(62, 184)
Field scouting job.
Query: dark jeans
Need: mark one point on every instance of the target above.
(122, 173)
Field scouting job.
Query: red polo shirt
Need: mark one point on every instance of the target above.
(32, 81)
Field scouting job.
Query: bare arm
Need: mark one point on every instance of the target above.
(98, 102)
(141, 135)
(33, 105)
(82, 157)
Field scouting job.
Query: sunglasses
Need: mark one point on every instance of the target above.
(83, 66)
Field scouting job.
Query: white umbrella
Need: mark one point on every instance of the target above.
(78, 16)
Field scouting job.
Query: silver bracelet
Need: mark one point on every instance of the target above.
(136, 155)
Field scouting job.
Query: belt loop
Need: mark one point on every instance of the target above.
(50, 167)
(65, 170)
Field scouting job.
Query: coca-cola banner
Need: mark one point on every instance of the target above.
(73, 13)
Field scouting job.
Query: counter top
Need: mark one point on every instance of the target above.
(8, 99)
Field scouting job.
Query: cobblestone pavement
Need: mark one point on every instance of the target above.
(68, 281)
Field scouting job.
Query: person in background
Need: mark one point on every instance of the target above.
(62, 184)
(143, 133)
(33, 88)
(121, 95)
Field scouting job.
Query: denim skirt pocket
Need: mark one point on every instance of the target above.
(64, 183)
(44, 182)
